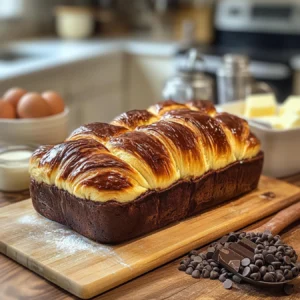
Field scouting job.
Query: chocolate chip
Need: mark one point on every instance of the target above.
(294, 259)
(205, 263)
(205, 273)
(186, 261)
(272, 249)
(276, 264)
(182, 267)
(245, 262)
(198, 259)
(295, 271)
(287, 260)
(208, 267)
(236, 279)
(194, 264)
(259, 263)
(200, 267)
(193, 252)
(280, 278)
(202, 255)
(223, 277)
(255, 276)
(192, 257)
(268, 277)
(288, 289)
(269, 258)
(286, 267)
(216, 269)
(257, 251)
(213, 264)
(246, 272)
(263, 270)
(258, 256)
(270, 268)
(232, 238)
(214, 274)
(223, 270)
(254, 268)
(189, 270)
(196, 274)
(227, 284)
(288, 274)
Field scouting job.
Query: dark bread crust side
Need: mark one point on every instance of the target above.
(115, 222)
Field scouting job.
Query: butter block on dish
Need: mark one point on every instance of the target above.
(290, 120)
(260, 105)
(291, 105)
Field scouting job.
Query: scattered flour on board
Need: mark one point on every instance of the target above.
(66, 241)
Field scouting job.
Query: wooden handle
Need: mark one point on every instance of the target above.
(281, 220)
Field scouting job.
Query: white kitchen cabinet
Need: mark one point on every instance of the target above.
(145, 78)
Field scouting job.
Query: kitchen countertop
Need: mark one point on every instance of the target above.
(41, 54)
(165, 282)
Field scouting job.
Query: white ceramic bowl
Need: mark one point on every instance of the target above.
(48, 130)
(281, 147)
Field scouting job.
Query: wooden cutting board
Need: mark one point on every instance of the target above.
(86, 268)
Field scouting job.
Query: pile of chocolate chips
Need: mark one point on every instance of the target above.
(258, 256)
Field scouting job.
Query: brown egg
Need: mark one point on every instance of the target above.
(7, 111)
(14, 95)
(55, 102)
(32, 105)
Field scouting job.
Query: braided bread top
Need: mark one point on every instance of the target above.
(143, 150)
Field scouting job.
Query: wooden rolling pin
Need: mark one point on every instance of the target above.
(281, 220)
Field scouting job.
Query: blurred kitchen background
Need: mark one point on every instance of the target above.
(108, 56)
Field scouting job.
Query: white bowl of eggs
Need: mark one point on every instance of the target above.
(27, 117)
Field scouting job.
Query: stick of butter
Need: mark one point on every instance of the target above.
(290, 120)
(290, 105)
(260, 105)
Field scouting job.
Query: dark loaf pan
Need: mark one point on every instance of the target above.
(115, 222)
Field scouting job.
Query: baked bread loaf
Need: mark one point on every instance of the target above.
(144, 170)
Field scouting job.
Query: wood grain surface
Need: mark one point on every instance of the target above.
(165, 282)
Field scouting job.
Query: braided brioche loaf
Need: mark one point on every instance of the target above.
(144, 170)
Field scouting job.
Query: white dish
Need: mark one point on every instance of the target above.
(48, 130)
(281, 147)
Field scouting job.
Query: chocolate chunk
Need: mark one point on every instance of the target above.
(196, 274)
(229, 259)
(189, 270)
(288, 289)
(223, 277)
(227, 284)
(287, 260)
(238, 248)
(246, 272)
(259, 263)
(255, 276)
(236, 279)
(214, 274)
(245, 262)
(210, 252)
(263, 270)
(270, 258)
(268, 277)
(247, 244)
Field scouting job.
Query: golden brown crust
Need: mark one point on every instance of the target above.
(144, 150)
